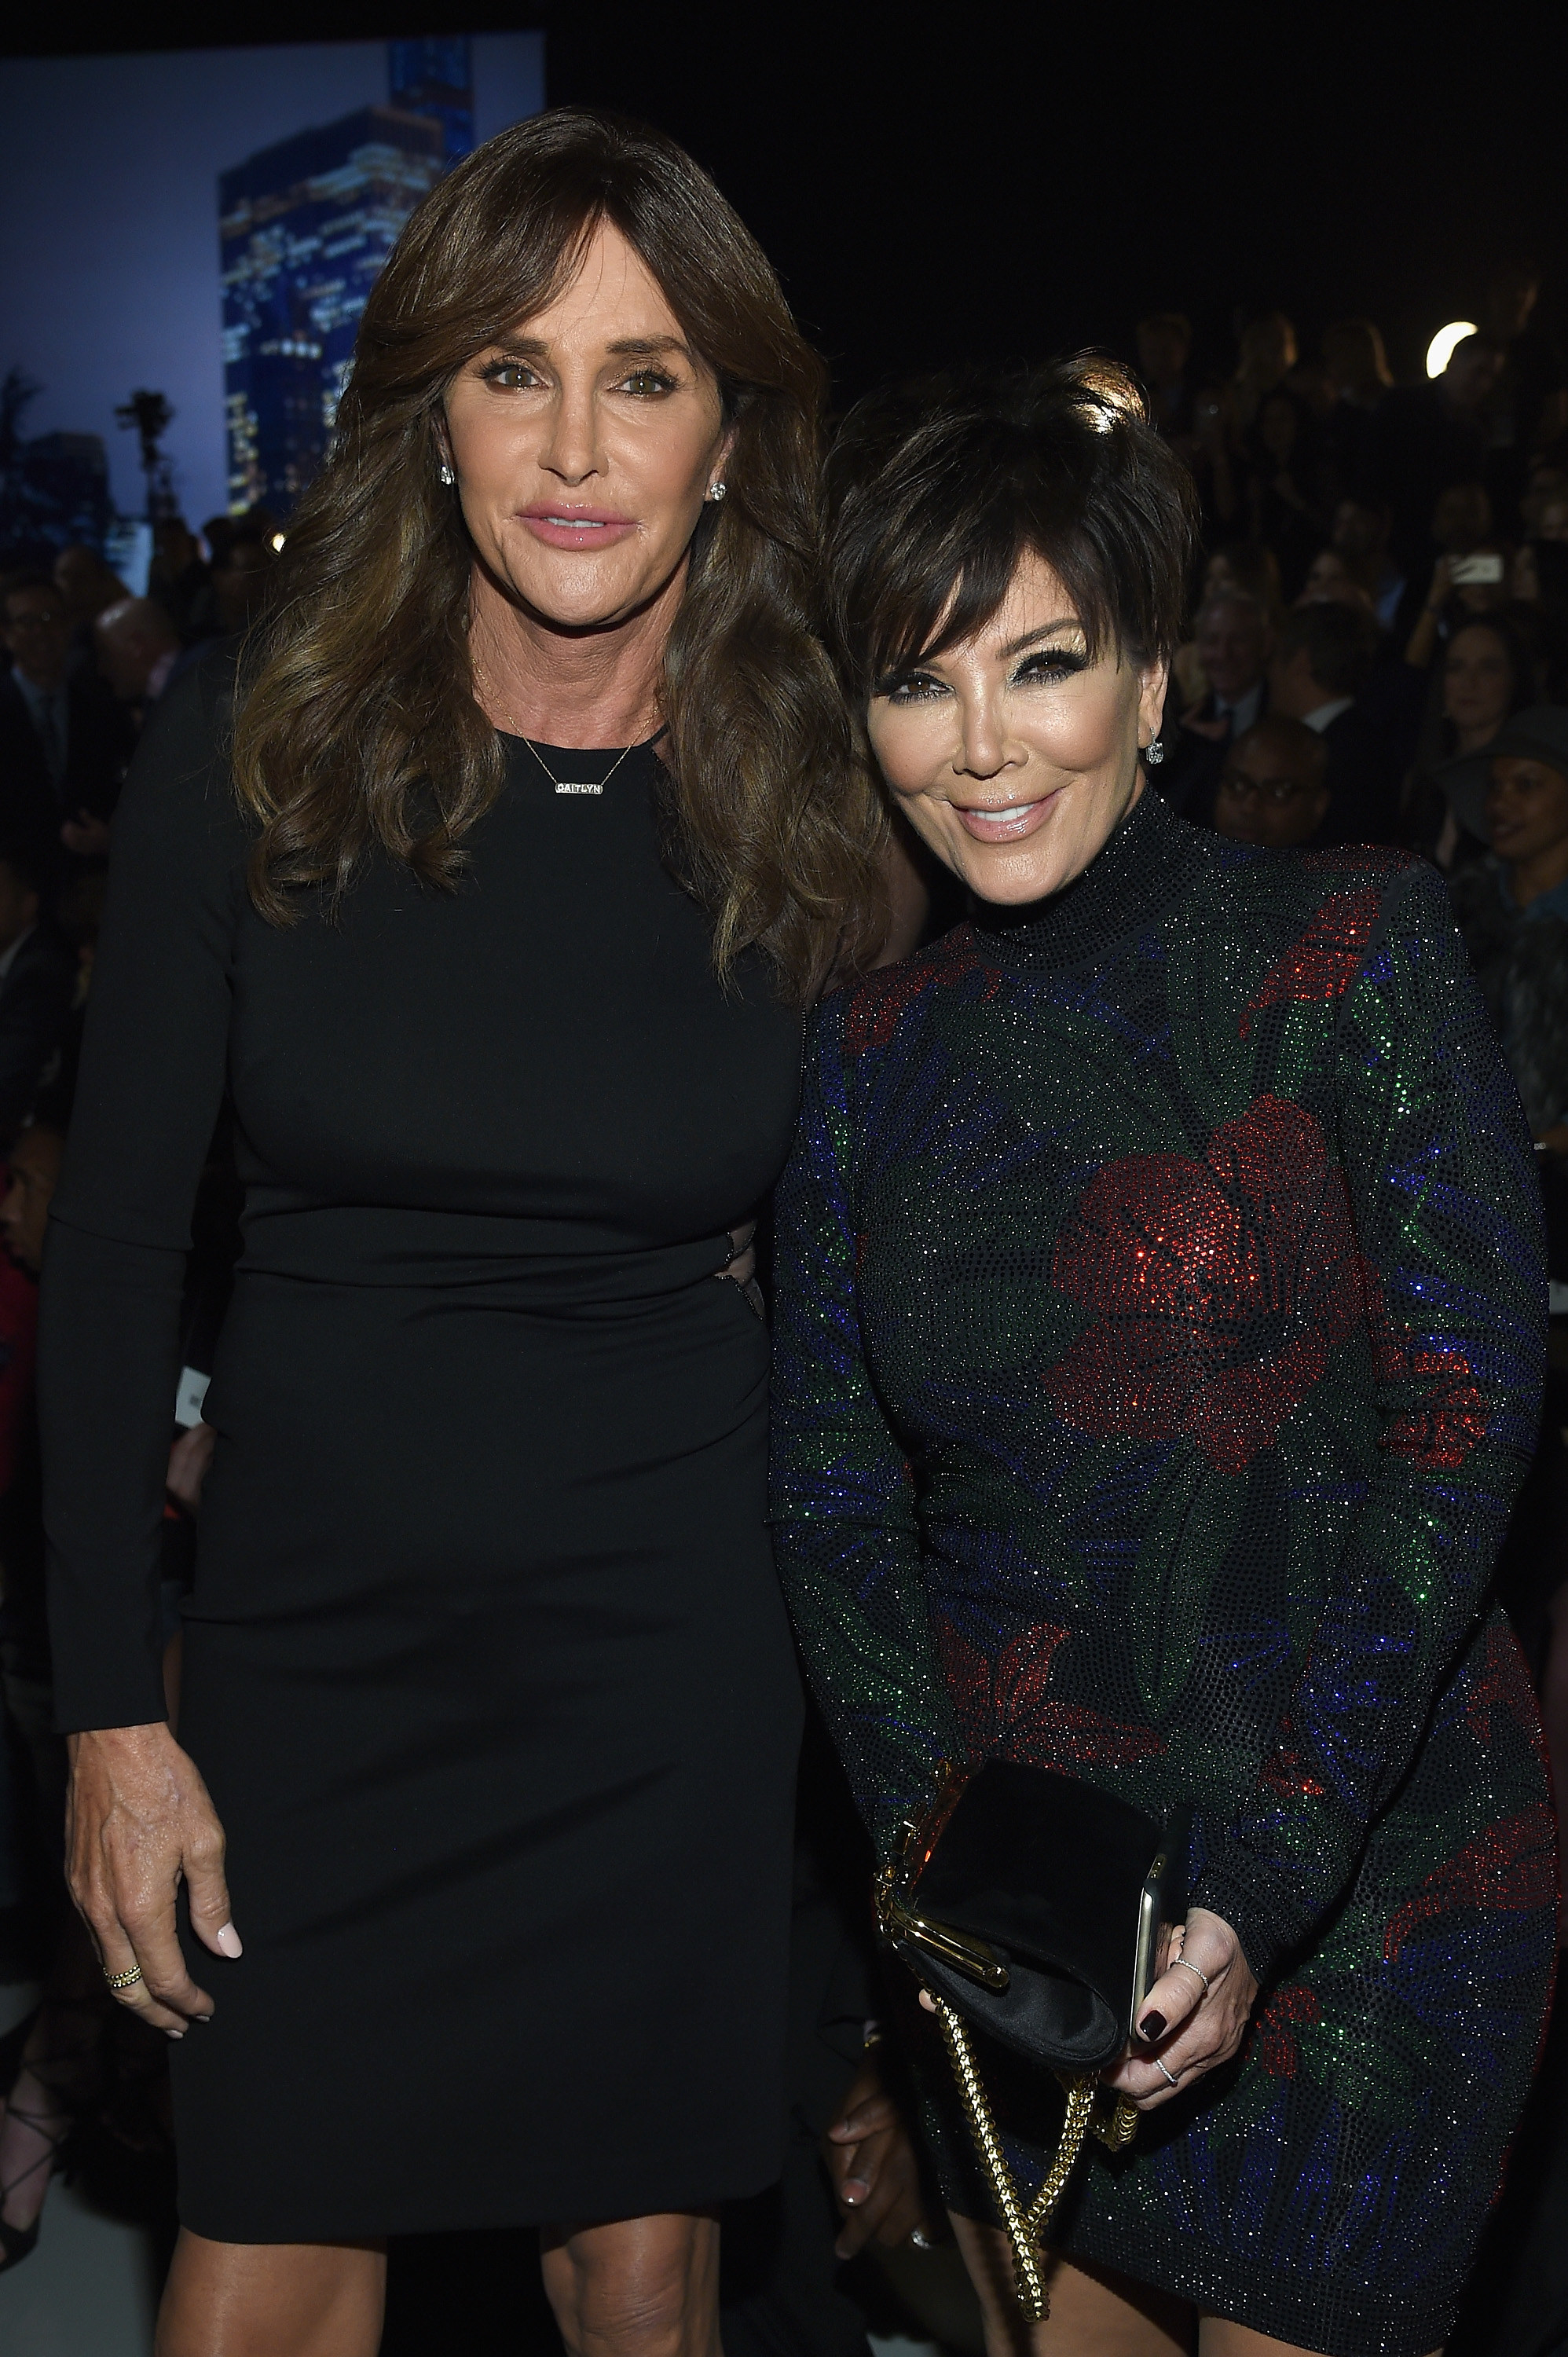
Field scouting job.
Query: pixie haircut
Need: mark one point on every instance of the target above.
(937, 490)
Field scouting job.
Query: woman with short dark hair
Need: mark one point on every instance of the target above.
(488, 908)
(1159, 1331)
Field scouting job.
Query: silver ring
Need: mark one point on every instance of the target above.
(1169, 2075)
(1202, 1976)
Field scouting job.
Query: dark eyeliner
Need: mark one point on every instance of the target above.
(893, 681)
(1068, 660)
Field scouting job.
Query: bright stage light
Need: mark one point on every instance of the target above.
(1440, 350)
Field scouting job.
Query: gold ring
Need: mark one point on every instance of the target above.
(118, 1981)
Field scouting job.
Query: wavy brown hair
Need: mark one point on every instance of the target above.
(357, 727)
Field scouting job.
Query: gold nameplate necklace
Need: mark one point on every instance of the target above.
(576, 785)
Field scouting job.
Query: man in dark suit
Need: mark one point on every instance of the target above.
(64, 742)
(37, 983)
(1234, 639)
(1320, 667)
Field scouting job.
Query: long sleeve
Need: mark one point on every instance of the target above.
(1446, 1208)
(152, 1078)
(844, 1527)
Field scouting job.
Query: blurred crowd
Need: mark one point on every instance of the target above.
(1377, 652)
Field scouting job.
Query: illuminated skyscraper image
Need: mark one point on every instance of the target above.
(305, 227)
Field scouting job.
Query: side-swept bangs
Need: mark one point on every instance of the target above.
(937, 490)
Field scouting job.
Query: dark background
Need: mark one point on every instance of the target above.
(998, 181)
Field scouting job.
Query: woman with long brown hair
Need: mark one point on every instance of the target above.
(492, 909)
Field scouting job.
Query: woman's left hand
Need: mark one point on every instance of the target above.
(1193, 2017)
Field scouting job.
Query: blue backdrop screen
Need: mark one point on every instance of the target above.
(205, 224)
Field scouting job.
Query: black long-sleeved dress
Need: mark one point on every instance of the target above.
(485, 1664)
(1160, 1317)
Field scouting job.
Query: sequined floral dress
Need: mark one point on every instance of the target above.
(1160, 1326)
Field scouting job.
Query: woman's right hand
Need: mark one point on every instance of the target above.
(138, 1822)
(1193, 2017)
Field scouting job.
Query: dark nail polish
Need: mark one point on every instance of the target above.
(1153, 2025)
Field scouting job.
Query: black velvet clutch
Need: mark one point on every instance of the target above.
(1030, 1906)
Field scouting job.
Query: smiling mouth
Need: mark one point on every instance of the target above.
(1003, 822)
(566, 526)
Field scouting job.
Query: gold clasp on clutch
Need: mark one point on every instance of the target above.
(965, 1953)
(897, 1920)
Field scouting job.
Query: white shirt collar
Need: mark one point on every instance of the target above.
(1318, 721)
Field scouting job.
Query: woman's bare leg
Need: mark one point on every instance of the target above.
(273, 2299)
(1093, 2313)
(636, 2286)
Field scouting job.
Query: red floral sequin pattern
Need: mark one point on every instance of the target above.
(1321, 964)
(1511, 1867)
(1451, 1419)
(1289, 2010)
(883, 999)
(1217, 1289)
(1005, 1711)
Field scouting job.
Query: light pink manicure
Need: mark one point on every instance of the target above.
(227, 1942)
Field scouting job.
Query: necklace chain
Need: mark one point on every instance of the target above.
(576, 785)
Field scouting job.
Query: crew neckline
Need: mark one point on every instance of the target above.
(584, 752)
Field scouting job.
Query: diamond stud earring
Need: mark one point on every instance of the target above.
(447, 477)
(717, 491)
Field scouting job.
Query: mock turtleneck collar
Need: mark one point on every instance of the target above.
(1150, 861)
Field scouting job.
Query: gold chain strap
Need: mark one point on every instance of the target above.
(1115, 2124)
(1024, 2227)
(1091, 2110)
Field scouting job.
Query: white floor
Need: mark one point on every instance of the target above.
(87, 2290)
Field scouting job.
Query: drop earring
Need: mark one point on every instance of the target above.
(1154, 752)
(447, 477)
